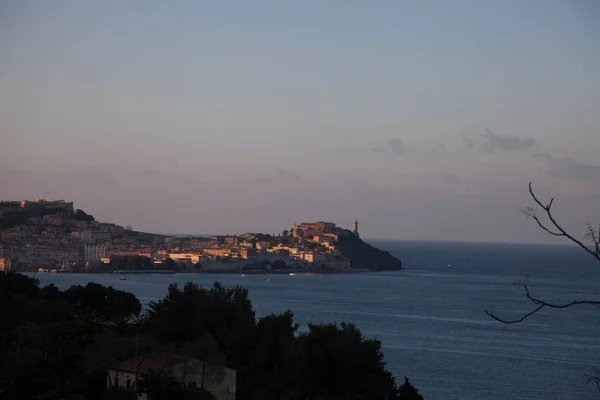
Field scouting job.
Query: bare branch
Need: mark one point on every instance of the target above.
(594, 236)
(530, 212)
(514, 321)
(540, 305)
(554, 229)
(561, 232)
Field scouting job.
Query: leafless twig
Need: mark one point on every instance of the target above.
(594, 236)
(557, 230)
(540, 305)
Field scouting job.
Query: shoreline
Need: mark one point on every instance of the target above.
(206, 272)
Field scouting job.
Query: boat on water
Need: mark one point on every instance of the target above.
(291, 274)
(268, 280)
(122, 278)
(243, 275)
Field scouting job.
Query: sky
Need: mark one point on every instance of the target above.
(424, 119)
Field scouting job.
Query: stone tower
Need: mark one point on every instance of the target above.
(355, 227)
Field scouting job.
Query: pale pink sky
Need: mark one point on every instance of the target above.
(421, 121)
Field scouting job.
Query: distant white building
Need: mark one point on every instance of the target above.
(94, 252)
(185, 257)
(192, 373)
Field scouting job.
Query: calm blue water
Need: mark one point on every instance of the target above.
(430, 317)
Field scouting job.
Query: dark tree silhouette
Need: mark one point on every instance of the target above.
(169, 263)
(554, 228)
(60, 344)
(407, 391)
(278, 265)
(336, 362)
(272, 361)
(80, 215)
(114, 393)
(54, 344)
(104, 302)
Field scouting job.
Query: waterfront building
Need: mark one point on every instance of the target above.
(5, 264)
(94, 252)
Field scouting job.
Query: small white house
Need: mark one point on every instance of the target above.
(192, 373)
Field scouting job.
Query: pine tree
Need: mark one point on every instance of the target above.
(407, 391)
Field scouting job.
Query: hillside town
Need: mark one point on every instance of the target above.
(53, 236)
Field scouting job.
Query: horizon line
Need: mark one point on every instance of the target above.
(395, 239)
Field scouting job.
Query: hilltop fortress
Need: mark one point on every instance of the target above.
(39, 204)
(308, 229)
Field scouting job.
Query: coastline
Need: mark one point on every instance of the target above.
(214, 272)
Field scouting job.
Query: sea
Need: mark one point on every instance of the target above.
(430, 317)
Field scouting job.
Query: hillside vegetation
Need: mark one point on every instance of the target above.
(364, 256)
(60, 344)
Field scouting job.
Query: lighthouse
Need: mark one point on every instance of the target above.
(355, 227)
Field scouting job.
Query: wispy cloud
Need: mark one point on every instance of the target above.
(378, 149)
(398, 146)
(568, 168)
(491, 142)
